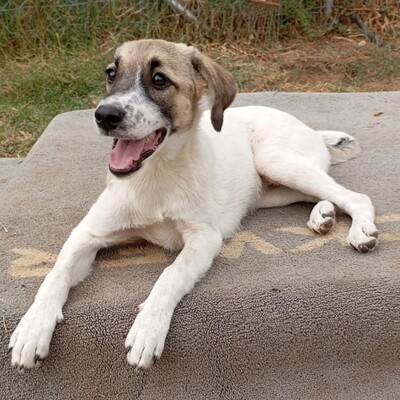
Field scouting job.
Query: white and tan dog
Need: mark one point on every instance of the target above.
(178, 183)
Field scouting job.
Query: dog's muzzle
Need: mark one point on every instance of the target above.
(108, 117)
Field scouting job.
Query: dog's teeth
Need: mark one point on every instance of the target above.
(152, 136)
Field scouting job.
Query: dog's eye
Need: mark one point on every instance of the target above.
(160, 80)
(110, 75)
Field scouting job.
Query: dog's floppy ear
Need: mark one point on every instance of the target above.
(220, 83)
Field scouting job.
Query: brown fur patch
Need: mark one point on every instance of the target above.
(221, 84)
(190, 74)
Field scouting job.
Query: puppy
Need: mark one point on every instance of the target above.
(183, 179)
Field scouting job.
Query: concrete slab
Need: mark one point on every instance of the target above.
(283, 314)
(8, 167)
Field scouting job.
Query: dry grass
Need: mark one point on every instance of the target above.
(52, 58)
(381, 16)
(333, 64)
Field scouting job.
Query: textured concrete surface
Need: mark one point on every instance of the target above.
(283, 313)
(9, 167)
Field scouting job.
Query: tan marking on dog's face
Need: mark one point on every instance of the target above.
(188, 75)
(139, 61)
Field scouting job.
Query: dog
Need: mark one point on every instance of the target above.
(183, 178)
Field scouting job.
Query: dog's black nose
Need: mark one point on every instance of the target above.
(108, 117)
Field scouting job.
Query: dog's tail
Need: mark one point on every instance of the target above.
(341, 146)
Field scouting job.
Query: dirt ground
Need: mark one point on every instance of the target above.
(334, 63)
(33, 95)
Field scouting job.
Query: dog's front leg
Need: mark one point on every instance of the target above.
(31, 339)
(145, 341)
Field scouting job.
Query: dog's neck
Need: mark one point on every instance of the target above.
(171, 182)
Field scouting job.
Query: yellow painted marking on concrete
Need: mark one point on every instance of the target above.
(381, 219)
(234, 248)
(297, 230)
(30, 263)
(338, 233)
(389, 237)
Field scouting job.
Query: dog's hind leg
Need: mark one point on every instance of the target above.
(301, 174)
(322, 217)
(30, 341)
(279, 196)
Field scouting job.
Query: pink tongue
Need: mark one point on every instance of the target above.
(125, 153)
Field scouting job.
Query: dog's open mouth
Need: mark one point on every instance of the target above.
(127, 155)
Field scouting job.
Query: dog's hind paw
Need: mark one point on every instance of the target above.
(363, 236)
(322, 217)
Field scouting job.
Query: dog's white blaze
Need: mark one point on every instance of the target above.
(142, 116)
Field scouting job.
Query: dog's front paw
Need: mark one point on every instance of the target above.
(145, 340)
(30, 341)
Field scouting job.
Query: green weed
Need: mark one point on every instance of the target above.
(33, 93)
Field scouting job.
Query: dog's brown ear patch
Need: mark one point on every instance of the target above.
(221, 84)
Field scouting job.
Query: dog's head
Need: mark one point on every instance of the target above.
(153, 91)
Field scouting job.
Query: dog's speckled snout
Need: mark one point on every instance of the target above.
(108, 117)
